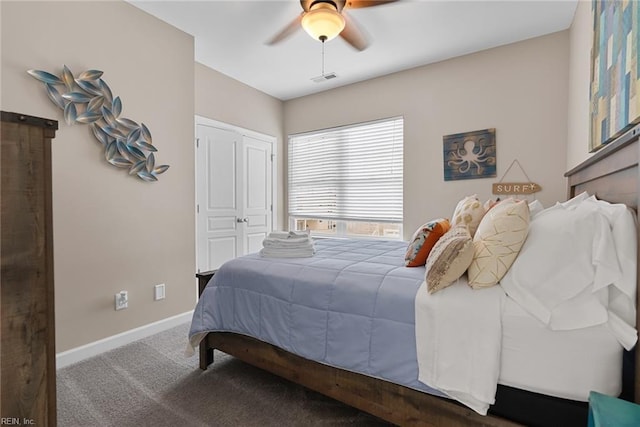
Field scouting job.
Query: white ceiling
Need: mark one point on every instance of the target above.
(230, 37)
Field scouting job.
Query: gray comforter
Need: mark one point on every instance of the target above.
(351, 306)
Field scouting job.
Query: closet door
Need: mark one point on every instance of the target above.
(256, 182)
(219, 216)
(27, 354)
(234, 192)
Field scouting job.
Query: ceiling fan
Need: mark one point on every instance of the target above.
(326, 19)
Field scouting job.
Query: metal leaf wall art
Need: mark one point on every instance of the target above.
(88, 99)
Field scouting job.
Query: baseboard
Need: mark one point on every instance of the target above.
(95, 348)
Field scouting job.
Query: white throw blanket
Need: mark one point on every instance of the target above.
(459, 340)
(288, 244)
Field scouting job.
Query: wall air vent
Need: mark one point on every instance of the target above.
(324, 77)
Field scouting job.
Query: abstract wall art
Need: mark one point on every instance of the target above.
(615, 75)
(88, 99)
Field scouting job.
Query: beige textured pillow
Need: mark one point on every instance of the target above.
(497, 242)
(449, 258)
(468, 212)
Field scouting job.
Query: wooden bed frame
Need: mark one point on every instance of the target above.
(611, 174)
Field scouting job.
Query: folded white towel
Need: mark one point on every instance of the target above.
(287, 253)
(284, 235)
(288, 244)
(288, 240)
(298, 242)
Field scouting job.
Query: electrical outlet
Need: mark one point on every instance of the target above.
(122, 300)
(158, 292)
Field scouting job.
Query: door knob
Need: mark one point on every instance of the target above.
(240, 220)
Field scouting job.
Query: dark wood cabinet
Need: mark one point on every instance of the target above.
(27, 348)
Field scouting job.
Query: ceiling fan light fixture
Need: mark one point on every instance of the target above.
(323, 22)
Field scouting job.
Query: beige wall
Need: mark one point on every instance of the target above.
(227, 100)
(580, 75)
(111, 231)
(519, 89)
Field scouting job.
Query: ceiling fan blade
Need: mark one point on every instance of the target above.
(353, 35)
(306, 4)
(358, 4)
(291, 28)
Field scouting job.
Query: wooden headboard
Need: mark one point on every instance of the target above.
(612, 174)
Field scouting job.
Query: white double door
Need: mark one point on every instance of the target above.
(234, 192)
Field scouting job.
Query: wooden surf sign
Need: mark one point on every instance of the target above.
(516, 188)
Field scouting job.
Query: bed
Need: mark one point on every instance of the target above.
(611, 174)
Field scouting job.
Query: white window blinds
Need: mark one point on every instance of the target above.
(348, 173)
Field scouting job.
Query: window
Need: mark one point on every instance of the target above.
(347, 181)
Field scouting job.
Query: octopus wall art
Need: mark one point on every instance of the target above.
(470, 155)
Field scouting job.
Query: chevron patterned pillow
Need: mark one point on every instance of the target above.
(497, 242)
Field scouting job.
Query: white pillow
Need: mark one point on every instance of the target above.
(576, 200)
(569, 253)
(535, 207)
(497, 241)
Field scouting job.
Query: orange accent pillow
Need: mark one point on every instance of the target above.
(423, 241)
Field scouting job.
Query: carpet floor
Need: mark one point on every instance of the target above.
(151, 383)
